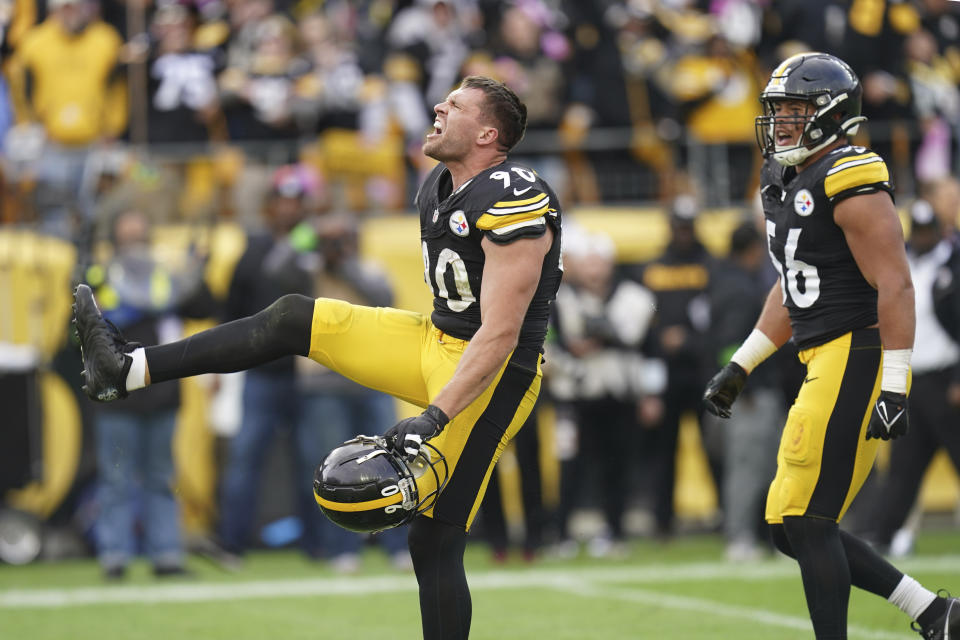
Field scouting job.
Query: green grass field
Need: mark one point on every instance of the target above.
(681, 590)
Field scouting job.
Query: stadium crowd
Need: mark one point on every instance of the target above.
(297, 121)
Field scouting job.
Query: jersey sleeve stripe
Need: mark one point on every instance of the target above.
(489, 221)
(855, 163)
(527, 207)
(861, 156)
(855, 176)
(519, 225)
(539, 199)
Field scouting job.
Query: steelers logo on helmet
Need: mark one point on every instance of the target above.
(832, 93)
(365, 486)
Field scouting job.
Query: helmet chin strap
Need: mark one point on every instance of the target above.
(792, 156)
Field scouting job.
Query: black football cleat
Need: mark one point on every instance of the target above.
(102, 349)
(947, 626)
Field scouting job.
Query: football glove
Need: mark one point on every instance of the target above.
(724, 388)
(408, 435)
(889, 419)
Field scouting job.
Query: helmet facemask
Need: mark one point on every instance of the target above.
(428, 474)
(821, 126)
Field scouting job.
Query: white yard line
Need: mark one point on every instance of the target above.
(601, 581)
(702, 606)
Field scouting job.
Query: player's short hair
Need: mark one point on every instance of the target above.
(503, 106)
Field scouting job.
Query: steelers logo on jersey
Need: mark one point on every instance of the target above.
(803, 203)
(458, 223)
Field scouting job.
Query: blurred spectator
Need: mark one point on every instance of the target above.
(182, 85)
(800, 25)
(944, 196)
(434, 33)
(265, 88)
(873, 46)
(598, 100)
(656, 129)
(16, 16)
(245, 18)
(737, 293)
(145, 300)
(715, 87)
(936, 105)
(935, 392)
(336, 80)
(597, 370)
(261, 99)
(532, 58)
(360, 148)
(334, 408)
(276, 262)
(679, 279)
(942, 19)
(427, 45)
(64, 81)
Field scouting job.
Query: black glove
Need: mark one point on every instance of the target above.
(407, 435)
(724, 388)
(889, 416)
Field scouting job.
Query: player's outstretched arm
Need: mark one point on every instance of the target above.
(769, 334)
(872, 229)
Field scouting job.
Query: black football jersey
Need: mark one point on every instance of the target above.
(503, 203)
(822, 286)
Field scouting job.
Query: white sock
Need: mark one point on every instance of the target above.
(911, 597)
(136, 377)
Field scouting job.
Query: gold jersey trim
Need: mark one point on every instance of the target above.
(490, 221)
(855, 171)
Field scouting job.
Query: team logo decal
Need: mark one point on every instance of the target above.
(458, 223)
(436, 214)
(803, 202)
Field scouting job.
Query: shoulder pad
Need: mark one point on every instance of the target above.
(856, 167)
(513, 212)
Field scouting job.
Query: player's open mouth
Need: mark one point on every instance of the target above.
(784, 139)
(437, 129)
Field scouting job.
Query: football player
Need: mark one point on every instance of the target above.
(845, 297)
(490, 239)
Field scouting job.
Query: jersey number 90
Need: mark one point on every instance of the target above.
(448, 259)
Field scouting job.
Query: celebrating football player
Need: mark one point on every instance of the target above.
(846, 299)
(490, 238)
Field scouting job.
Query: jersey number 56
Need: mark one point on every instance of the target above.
(792, 268)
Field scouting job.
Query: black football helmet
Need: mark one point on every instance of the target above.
(365, 486)
(829, 85)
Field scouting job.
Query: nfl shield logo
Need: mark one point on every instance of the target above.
(436, 214)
